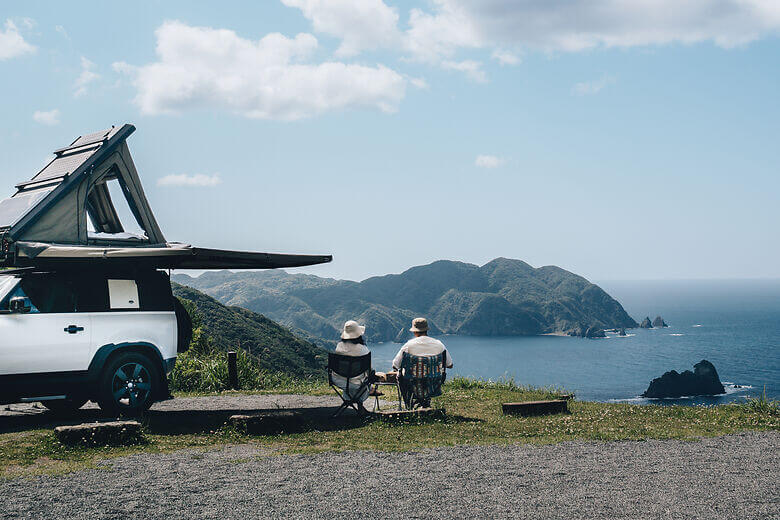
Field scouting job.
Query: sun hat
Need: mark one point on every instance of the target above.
(419, 325)
(352, 330)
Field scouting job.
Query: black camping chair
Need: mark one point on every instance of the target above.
(420, 378)
(350, 367)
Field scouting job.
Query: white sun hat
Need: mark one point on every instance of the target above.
(352, 330)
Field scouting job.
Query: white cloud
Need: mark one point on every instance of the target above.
(360, 24)
(434, 37)
(437, 34)
(87, 76)
(12, 44)
(419, 83)
(197, 180)
(505, 57)
(586, 88)
(488, 161)
(472, 69)
(201, 67)
(570, 26)
(49, 118)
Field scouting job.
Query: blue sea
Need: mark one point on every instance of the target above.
(733, 324)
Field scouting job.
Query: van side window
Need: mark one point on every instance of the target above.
(154, 290)
(49, 293)
(149, 291)
(92, 294)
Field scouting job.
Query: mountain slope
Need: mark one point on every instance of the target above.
(276, 348)
(502, 297)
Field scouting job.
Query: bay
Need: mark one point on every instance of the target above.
(735, 324)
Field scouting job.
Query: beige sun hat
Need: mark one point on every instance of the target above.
(352, 330)
(419, 325)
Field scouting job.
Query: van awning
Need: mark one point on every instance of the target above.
(164, 256)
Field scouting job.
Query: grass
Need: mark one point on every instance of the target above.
(473, 418)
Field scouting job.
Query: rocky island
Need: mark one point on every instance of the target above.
(703, 380)
(659, 323)
(504, 297)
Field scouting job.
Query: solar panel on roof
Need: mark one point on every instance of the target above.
(62, 166)
(13, 209)
(88, 139)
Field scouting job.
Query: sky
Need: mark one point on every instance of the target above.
(619, 140)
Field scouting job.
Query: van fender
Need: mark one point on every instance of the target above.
(105, 352)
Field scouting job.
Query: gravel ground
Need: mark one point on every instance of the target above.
(716, 478)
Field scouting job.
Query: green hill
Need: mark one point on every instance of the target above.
(502, 297)
(276, 349)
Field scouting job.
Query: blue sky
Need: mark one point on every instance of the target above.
(617, 140)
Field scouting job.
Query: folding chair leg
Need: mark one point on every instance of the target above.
(341, 409)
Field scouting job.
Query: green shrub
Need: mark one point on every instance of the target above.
(503, 383)
(204, 367)
(763, 405)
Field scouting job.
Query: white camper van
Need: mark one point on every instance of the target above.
(85, 311)
(71, 336)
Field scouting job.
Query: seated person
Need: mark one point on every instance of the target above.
(352, 344)
(422, 345)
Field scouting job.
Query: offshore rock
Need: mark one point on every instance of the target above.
(595, 332)
(659, 323)
(646, 324)
(703, 380)
(581, 331)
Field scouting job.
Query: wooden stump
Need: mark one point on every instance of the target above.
(100, 434)
(419, 414)
(265, 423)
(529, 408)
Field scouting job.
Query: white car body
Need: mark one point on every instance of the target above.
(48, 354)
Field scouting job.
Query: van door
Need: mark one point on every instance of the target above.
(52, 336)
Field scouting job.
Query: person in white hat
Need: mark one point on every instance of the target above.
(352, 344)
(422, 344)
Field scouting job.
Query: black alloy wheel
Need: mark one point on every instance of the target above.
(128, 385)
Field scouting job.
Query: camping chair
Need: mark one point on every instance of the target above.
(349, 367)
(420, 378)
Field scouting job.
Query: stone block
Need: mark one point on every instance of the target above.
(529, 408)
(268, 423)
(100, 433)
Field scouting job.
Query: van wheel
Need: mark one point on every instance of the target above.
(128, 384)
(65, 406)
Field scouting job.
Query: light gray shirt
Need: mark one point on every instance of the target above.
(423, 346)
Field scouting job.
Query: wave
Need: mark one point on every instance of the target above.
(733, 388)
(676, 334)
(697, 325)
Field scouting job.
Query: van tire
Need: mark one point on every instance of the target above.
(128, 384)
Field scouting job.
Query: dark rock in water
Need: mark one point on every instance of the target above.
(659, 323)
(646, 324)
(595, 332)
(622, 332)
(703, 380)
(581, 331)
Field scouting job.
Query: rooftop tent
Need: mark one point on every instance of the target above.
(80, 208)
(57, 204)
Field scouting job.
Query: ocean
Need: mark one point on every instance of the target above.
(733, 324)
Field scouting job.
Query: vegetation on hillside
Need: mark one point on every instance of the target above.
(269, 356)
(204, 367)
(502, 297)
